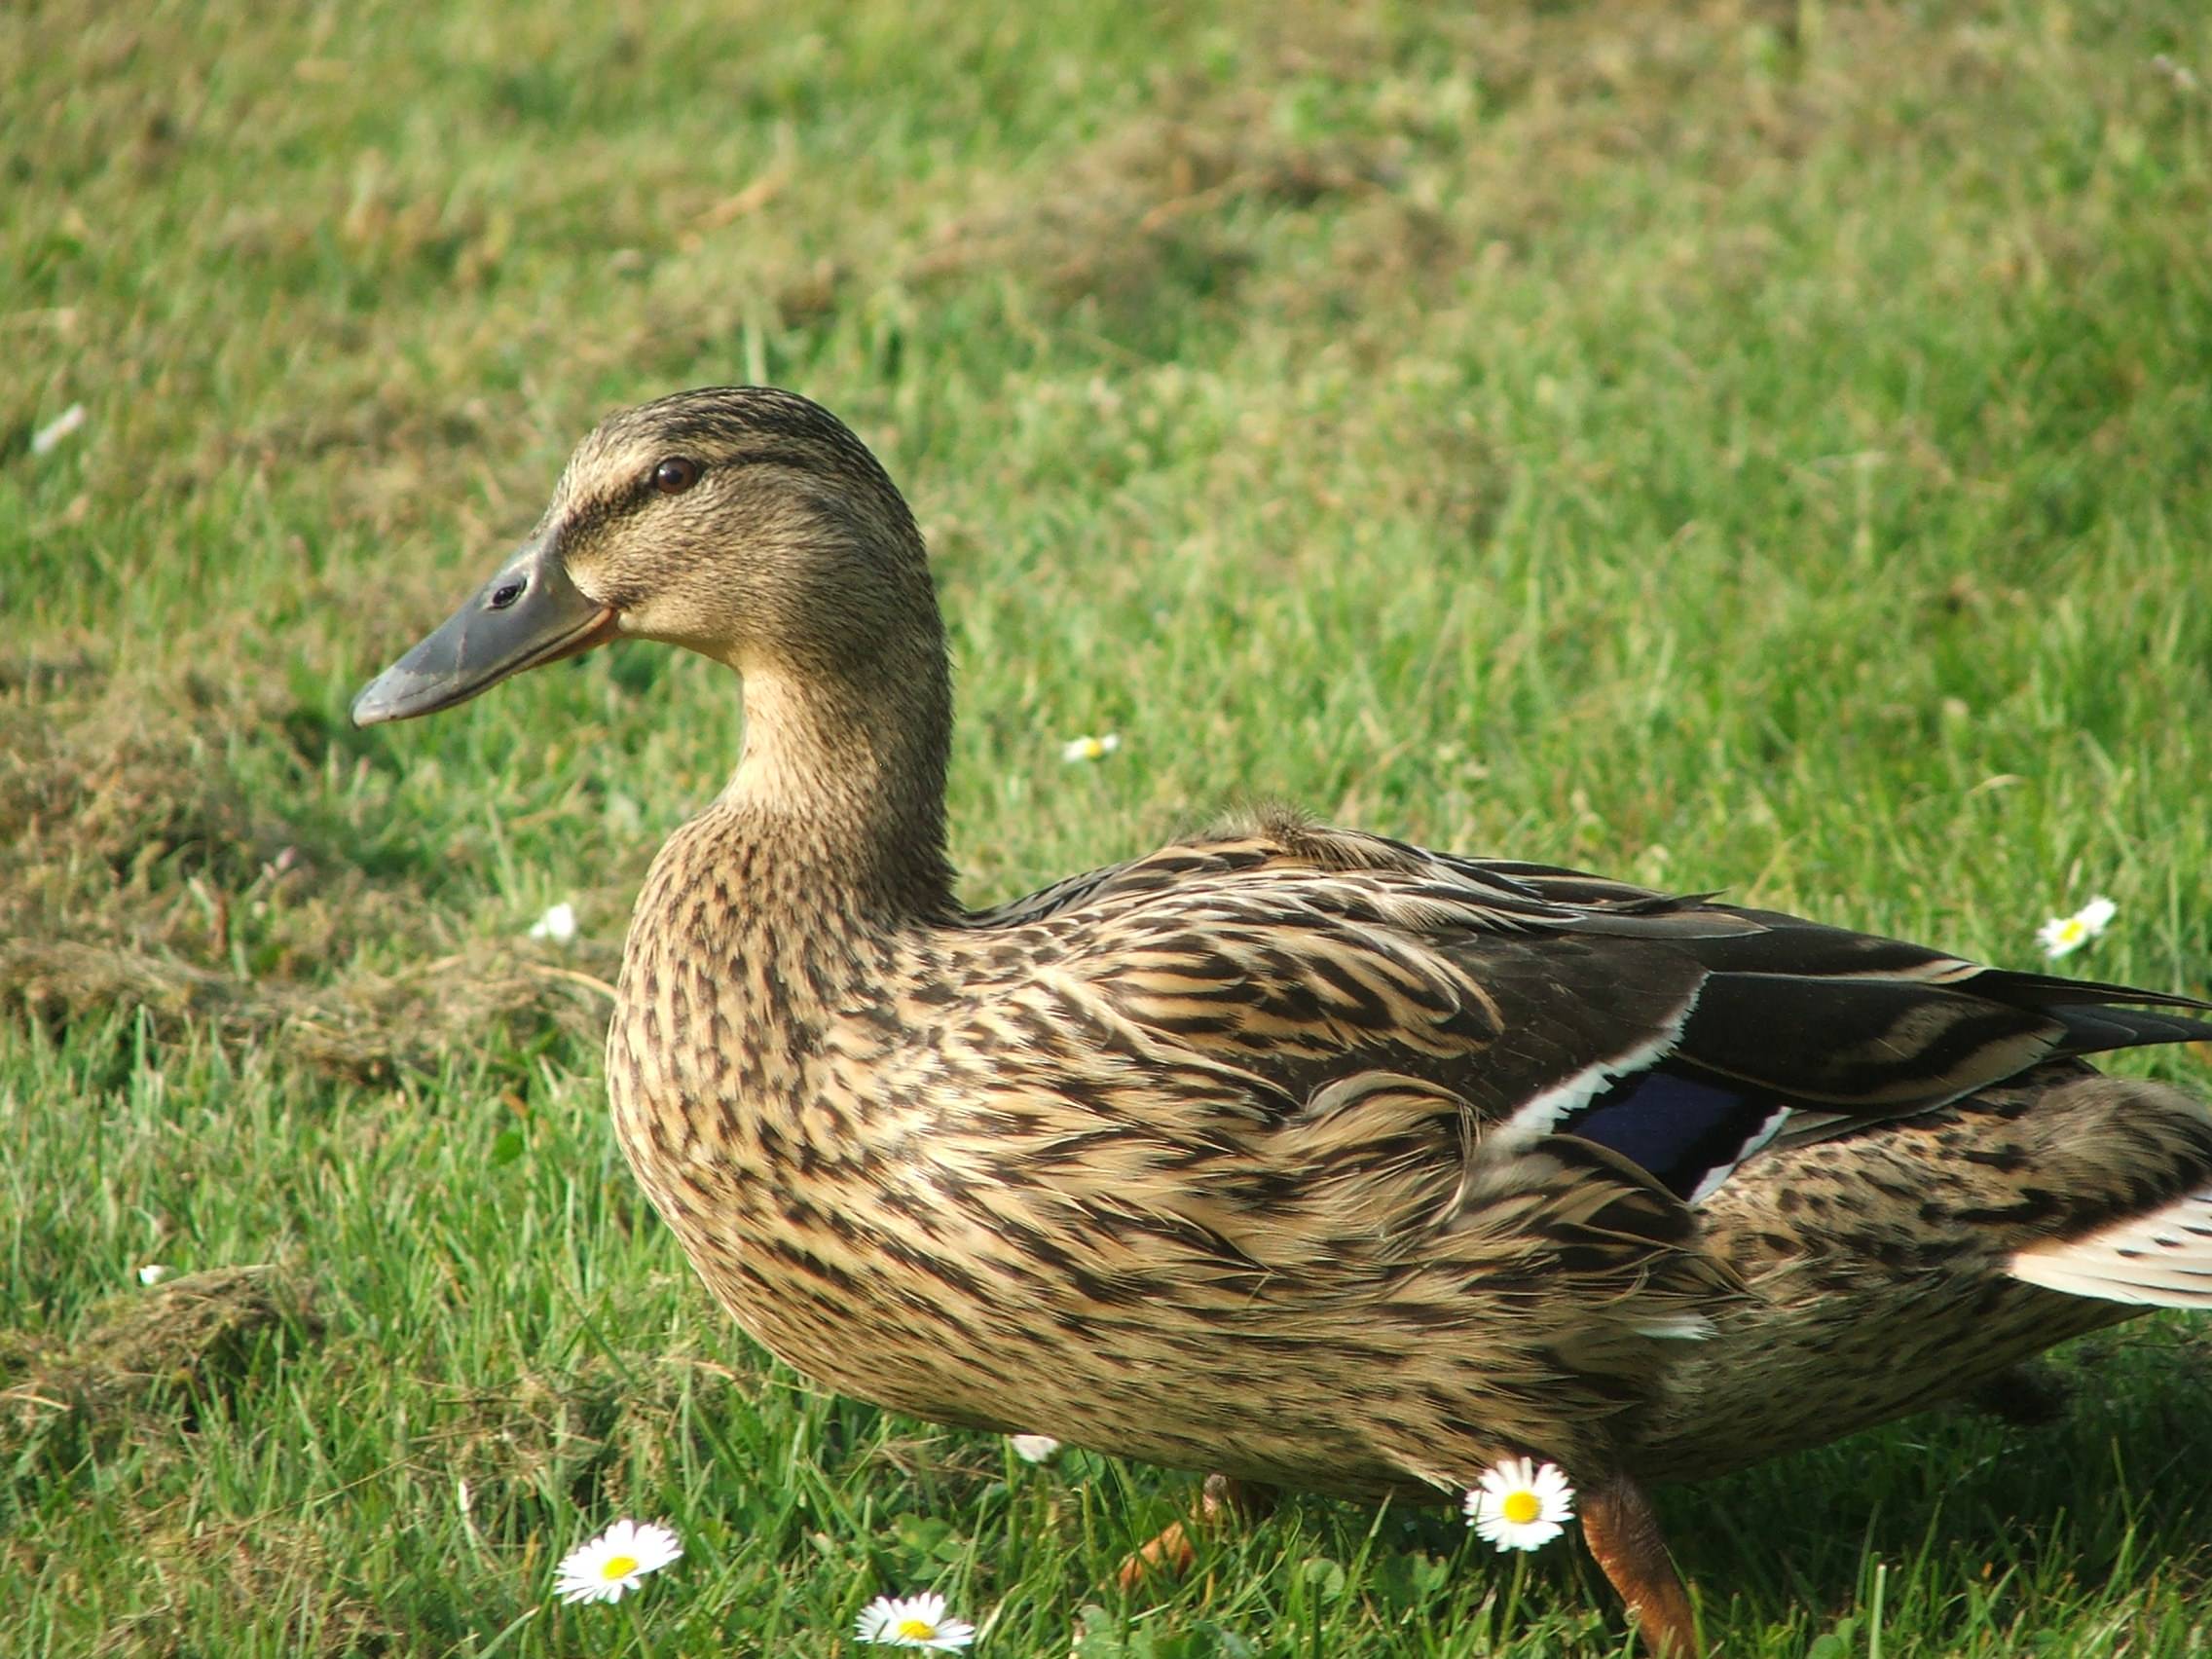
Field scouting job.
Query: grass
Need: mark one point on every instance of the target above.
(1753, 447)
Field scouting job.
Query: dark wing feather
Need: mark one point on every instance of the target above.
(1836, 1028)
(1037, 905)
(1877, 1045)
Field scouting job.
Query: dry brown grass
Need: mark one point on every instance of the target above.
(136, 859)
(146, 1352)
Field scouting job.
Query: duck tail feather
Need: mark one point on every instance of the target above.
(2161, 1258)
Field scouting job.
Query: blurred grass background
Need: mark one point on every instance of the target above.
(1734, 445)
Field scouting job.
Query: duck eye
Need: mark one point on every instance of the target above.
(674, 475)
(506, 593)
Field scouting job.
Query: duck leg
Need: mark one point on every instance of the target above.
(1623, 1533)
(1221, 1501)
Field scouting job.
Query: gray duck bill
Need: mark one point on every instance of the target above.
(530, 613)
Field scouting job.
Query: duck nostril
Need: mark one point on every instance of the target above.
(506, 593)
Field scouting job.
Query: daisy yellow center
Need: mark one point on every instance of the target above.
(917, 1629)
(2072, 929)
(1521, 1508)
(617, 1567)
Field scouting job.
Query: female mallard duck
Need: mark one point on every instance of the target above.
(1299, 1155)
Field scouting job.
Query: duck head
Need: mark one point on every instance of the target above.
(741, 522)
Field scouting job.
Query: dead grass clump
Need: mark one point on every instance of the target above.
(193, 1337)
(366, 1027)
(130, 783)
(140, 870)
(61, 982)
(371, 1026)
(1152, 206)
(125, 818)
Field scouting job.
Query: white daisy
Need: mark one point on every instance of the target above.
(1519, 1506)
(558, 924)
(1090, 748)
(611, 1566)
(913, 1621)
(153, 1272)
(1032, 1448)
(2062, 935)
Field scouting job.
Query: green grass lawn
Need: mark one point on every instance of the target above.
(1746, 446)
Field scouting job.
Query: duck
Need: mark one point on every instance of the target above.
(1298, 1157)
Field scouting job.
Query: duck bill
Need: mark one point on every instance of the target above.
(543, 618)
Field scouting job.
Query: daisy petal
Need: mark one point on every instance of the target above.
(2062, 935)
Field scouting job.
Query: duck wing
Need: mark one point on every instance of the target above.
(1680, 1033)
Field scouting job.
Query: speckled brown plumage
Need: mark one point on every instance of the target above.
(1298, 1155)
(1026, 1174)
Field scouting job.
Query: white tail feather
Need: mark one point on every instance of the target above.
(2160, 1259)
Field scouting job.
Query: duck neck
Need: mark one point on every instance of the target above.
(841, 789)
